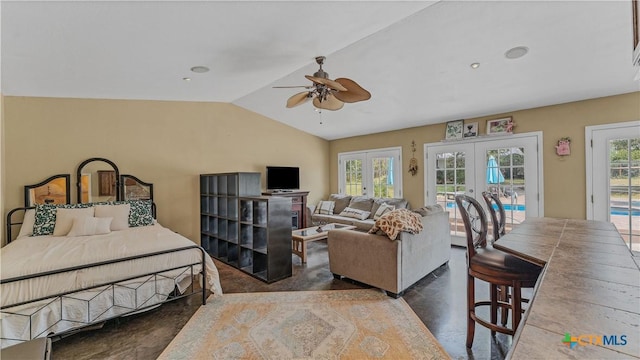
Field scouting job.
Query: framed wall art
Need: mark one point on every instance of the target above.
(470, 130)
(454, 130)
(500, 126)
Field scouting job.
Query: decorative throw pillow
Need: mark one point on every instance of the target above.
(361, 203)
(65, 217)
(325, 207)
(45, 217)
(395, 221)
(341, 200)
(119, 213)
(397, 203)
(429, 209)
(85, 226)
(355, 213)
(383, 209)
(28, 221)
(140, 213)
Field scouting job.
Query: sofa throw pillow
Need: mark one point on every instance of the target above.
(397, 203)
(355, 213)
(361, 203)
(396, 221)
(85, 226)
(45, 217)
(429, 209)
(325, 207)
(342, 201)
(383, 209)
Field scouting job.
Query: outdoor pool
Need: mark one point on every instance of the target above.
(615, 210)
(507, 207)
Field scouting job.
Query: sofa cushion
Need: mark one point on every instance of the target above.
(383, 209)
(355, 213)
(361, 203)
(328, 219)
(325, 207)
(396, 202)
(429, 209)
(392, 223)
(341, 201)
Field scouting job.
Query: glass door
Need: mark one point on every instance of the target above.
(453, 174)
(374, 173)
(507, 166)
(614, 194)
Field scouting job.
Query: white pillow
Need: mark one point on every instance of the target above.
(119, 213)
(383, 209)
(325, 207)
(29, 219)
(355, 213)
(84, 226)
(64, 219)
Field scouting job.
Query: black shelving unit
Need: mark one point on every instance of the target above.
(243, 229)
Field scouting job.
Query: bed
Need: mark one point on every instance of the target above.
(73, 266)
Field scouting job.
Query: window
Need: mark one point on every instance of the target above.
(375, 173)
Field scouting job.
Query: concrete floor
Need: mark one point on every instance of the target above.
(439, 300)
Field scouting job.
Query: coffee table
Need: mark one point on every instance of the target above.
(301, 237)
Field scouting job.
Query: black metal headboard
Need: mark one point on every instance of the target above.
(111, 185)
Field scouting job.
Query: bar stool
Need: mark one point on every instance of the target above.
(496, 210)
(495, 267)
(498, 218)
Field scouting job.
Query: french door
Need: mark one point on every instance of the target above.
(508, 166)
(613, 177)
(375, 173)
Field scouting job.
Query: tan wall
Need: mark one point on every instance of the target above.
(166, 143)
(564, 177)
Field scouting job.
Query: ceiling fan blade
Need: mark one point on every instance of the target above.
(354, 91)
(331, 103)
(328, 82)
(298, 99)
(291, 87)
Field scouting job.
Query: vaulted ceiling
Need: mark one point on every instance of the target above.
(414, 56)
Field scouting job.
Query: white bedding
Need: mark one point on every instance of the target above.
(29, 255)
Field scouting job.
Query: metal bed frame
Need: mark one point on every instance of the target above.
(151, 277)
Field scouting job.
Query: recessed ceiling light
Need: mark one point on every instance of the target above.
(186, 78)
(475, 65)
(199, 69)
(516, 52)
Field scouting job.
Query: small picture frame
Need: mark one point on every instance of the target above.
(470, 130)
(454, 130)
(500, 126)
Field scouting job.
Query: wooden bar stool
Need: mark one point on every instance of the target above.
(495, 267)
(498, 216)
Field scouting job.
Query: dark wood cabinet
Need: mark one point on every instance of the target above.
(298, 206)
(106, 182)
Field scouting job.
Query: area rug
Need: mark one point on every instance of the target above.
(333, 324)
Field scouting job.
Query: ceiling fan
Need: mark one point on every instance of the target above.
(326, 93)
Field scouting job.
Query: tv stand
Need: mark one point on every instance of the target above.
(298, 205)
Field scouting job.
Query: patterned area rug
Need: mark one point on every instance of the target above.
(335, 324)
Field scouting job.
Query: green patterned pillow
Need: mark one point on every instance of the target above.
(45, 217)
(140, 214)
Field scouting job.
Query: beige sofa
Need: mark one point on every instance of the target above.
(391, 265)
(363, 203)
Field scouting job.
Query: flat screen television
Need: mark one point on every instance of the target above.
(283, 178)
